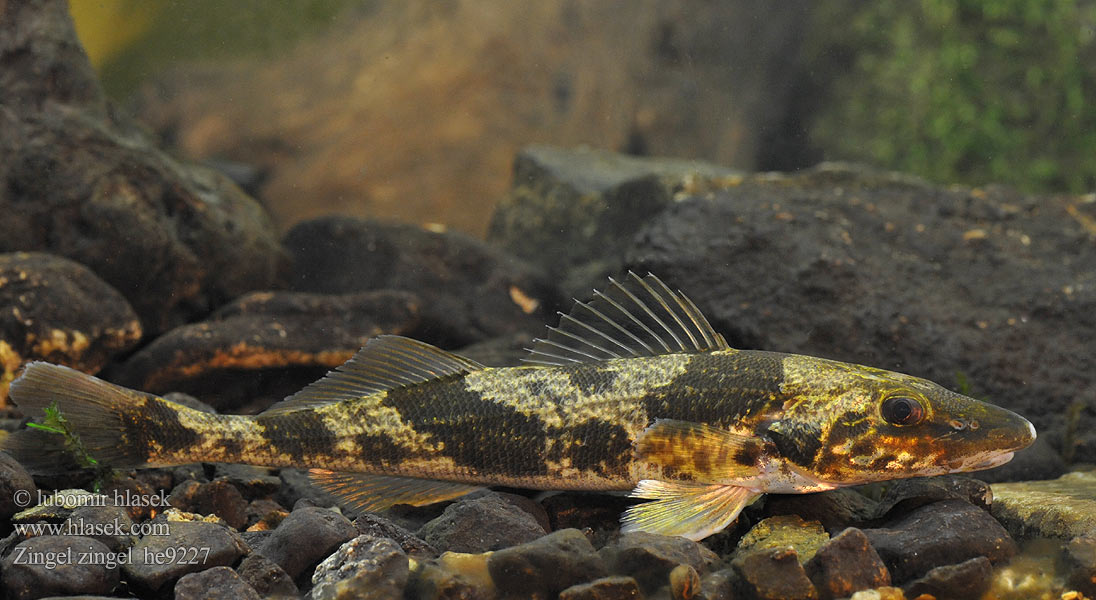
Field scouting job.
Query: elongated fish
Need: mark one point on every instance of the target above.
(633, 390)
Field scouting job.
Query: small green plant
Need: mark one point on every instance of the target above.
(55, 423)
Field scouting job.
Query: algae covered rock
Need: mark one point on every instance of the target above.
(1058, 508)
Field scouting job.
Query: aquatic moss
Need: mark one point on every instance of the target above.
(960, 90)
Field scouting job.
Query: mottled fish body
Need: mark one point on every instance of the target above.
(633, 391)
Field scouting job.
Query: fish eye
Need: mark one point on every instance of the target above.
(902, 410)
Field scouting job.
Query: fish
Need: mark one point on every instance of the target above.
(633, 391)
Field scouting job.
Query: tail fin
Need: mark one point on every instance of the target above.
(83, 417)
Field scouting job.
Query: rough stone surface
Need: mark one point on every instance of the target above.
(1081, 561)
(598, 512)
(616, 587)
(366, 567)
(846, 564)
(59, 311)
(218, 583)
(785, 531)
(217, 497)
(835, 509)
(50, 565)
(547, 566)
(939, 534)
(267, 344)
(1013, 296)
(189, 547)
(378, 526)
(79, 180)
(469, 291)
(904, 495)
(968, 579)
(773, 574)
(649, 558)
(252, 481)
(1059, 508)
(109, 525)
(14, 478)
(451, 96)
(454, 575)
(265, 576)
(480, 524)
(324, 529)
(574, 212)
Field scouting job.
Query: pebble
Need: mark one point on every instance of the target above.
(719, 585)
(784, 531)
(479, 524)
(835, 509)
(1081, 560)
(190, 546)
(265, 514)
(938, 534)
(649, 558)
(366, 568)
(305, 537)
(51, 565)
(221, 498)
(253, 482)
(15, 483)
(452, 575)
(107, 524)
(218, 583)
(774, 574)
(378, 526)
(968, 579)
(904, 495)
(617, 587)
(846, 564)
(546, 566)
(265, 576)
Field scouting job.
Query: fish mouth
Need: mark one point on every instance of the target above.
(993, 462)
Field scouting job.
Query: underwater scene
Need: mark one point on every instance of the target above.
(577, 300)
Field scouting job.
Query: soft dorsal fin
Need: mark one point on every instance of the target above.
(384, 363)
(640, 316)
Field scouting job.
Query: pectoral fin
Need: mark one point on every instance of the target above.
(371, 493)
(689, 510)
(699, 451)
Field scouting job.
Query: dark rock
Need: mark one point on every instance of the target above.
(189, 547)
(773, 574)
(59, 565)
(480, 524)
(607, 588)
(378, 526)
(864, 249)
(968, 579)
(218, 583)
(577, 510)
(109, 525)
(256, 538)
(904, 495)
(193, 471)
(1038, 461)
(366, 567)
(835, 509)
(847, 564)
(305, 537)
(265, 576)
(719, 585)
(649, 557)
(784, 531)
(264, 514)
(253, 482)
(1081, 562)
(59, 311)
(138, 497)
(547, 566)
(296, 486)
(176, 240)
(524, 503)
(574, 212)
(939, 534)
(264, 334)
(156, 479)
(221, 498)
(15, 485)
(469, 291)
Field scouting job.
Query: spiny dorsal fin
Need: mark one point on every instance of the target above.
(384, 363)
(640, 316)
(371, 493)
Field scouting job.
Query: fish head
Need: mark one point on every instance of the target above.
(886, 425)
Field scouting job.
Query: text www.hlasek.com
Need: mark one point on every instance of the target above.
(91, 529)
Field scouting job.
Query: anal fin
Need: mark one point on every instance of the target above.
(689, 510)
(371, 493)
